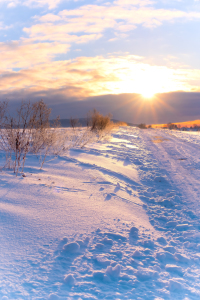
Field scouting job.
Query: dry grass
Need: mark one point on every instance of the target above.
(159, 139)
(29, 131)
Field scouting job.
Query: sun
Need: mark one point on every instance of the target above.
(148, 93)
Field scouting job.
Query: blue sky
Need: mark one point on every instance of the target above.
(74, 50)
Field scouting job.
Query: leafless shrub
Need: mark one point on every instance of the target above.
(15, 139)
(142, 126)
(171, 126)
(73, 123)
(27, 131)
(99, 123)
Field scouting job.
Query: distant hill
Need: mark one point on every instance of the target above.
(82, 122)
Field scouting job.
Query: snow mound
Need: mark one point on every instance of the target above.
(137, 253)
(165, 256)
(146, 274)
(182, 227)
(113, 272)
(102, 260)
(69, 279)
(71, 247)
(107, 241)
(115, 236)
(182, 258)
(166, 203)
(174, 269)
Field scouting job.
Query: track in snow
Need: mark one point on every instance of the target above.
(119, 220)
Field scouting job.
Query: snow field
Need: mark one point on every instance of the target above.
(118, 220)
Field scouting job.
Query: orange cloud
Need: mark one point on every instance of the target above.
(92, 76)
(23, 54)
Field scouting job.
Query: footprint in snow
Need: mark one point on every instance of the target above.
(134, 232)
(127, 161)
(108, 197)
(161, 240)
(148, 244)
(117, 188)
(160, 179)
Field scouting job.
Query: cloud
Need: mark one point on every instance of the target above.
(169, 107)
(89, 76)
(12, 4)
(50, 3)
(120, 16)
(23, 54)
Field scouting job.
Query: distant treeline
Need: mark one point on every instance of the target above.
(83, 122)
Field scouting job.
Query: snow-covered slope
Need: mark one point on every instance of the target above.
(117, 220)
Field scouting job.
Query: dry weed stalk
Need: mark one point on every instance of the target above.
(29, 131)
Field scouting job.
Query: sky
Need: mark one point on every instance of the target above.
(76, 53)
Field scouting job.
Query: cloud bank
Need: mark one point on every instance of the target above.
(39, 57)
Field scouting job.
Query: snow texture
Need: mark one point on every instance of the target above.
(116, 220)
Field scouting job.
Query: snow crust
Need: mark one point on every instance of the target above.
(117, 220)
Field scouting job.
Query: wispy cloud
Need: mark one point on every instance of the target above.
(49, 3)
(120, 16)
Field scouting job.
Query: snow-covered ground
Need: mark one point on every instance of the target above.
(116, 220)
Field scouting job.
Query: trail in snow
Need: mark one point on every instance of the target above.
(118, 220)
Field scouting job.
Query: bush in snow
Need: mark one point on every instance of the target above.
(27, 131)
(98, 123)
(142, 126)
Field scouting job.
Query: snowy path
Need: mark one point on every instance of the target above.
(181, 159)
(118, 220)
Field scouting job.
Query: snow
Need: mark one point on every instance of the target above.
(118, 219)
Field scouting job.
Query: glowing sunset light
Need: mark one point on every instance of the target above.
(76, 50)
(148, 94)
(135, 76)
